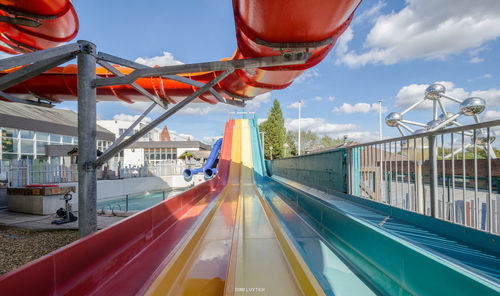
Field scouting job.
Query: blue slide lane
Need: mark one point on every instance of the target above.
(348, 245)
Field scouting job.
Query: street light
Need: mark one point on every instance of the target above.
(286, 147)
(271, 148)
(300, 103)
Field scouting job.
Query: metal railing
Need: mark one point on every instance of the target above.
(450, 174)
(24, 172)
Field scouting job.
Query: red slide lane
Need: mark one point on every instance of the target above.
(121, 259)
(58, 25)
(262, 29)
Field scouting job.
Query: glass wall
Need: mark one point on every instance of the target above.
(154, 156)
(24, 144)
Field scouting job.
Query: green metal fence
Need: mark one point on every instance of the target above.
(324, 170)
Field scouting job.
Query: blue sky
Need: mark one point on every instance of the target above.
(391, 52)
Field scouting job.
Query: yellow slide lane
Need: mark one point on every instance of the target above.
(267, 262)
(239, 247)
(200, 267)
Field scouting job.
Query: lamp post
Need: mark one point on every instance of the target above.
(262, 133)
(380, 119)
(300, 103)
(271, 154)
(286, 147)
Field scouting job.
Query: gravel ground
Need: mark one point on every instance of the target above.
(20, 246)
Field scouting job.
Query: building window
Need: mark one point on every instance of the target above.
(67, 139)
(42, 137)
(27, 146)
(55, 139)
(9, 140)
(27, 134)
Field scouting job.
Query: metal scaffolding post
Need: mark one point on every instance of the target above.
(434, 174)
(87, 137)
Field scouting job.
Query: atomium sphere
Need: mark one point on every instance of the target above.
(393, 119)
(433, 123)
(443, 117)
(482, 138)
(472, 106)
(434, 91)
(419, 131)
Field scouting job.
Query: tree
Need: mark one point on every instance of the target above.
(290, 140)
(327, 141)
(275, 132)
(310, 141)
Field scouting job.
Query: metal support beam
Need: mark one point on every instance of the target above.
(15, 99)
(111, 152)
(434, 173)
(136, 86)
(230, 65)
(36, 56)
(33, 70)
(132, 126)
(101, 56)
(87, 137)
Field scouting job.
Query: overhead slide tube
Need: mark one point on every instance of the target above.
(263, 29)
(207, 169)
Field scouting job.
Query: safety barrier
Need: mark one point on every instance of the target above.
(450, 174)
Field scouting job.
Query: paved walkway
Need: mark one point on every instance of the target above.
(43, 222)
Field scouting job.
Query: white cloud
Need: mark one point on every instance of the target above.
(428, 29)
(485, 76)
(175, 136)
(492, 96)
(475, 60)
(370, 14)
(321, 126)
(295, 105)
(210, 139)
(261, 120)
(410, 94)
(128, 117)
(491, 115)
(167, 59)
(343, 42)
(308, 75)
(319, 99)
(142, 106)
(255, 103)
(318, 125)
(203, 108)
(364, 108)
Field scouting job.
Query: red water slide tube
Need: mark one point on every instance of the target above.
(30, 25)
(122, 259)
(263, 28)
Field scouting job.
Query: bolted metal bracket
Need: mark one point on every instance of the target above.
(87, 47)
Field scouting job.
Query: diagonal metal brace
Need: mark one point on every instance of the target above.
(33, 70)
(127, 63)
(132, 126)
(110, 152)
(32, 57)
(230, 65)
(15, 99)
(136, 86)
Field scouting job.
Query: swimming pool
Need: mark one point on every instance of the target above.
(136, 202)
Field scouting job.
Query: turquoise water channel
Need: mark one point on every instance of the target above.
(136, 202)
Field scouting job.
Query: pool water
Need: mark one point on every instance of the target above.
(136, 202)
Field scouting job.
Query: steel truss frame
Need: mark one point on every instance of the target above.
(38, 62)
